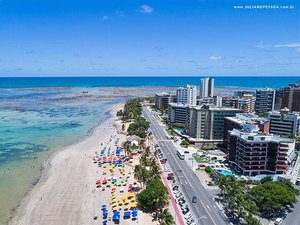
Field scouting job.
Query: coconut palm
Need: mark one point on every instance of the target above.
(166, 218)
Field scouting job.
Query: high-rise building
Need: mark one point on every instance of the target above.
(241, 93)
(247, 121)
(163, 99)
(230, 102)
(207, 121)
(255, 153)
(218, 101)
(265, 101)
(289, 97)
(187, 95)
(284, 123)
(178, 113)
(207, 86)
(247, 103)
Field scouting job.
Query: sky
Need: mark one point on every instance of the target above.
(154, 37)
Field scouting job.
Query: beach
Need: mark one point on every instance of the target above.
(66, 192)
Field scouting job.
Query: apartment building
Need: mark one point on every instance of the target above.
(187, 95)
(163, 99)
(265, 101)
(255, 153)
(284, 123)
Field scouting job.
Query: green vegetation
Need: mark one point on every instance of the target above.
(150, 99)
(139, 127)
(132, 110)
(171, 132)
(154, 196)
(167, 218)
(246, 202)
(270, 196)
(184, 143)
(200, 159)
(208, 146)
(264, 115)
(209, 171)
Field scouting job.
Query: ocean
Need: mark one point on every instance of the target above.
(36, 121)
(221, 81)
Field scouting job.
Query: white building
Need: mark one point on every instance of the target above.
(284, 123)
(207, 86)
(187, 95)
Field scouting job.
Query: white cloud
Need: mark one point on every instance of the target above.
(215, 58)
(146, 9)
(289, 45)
(106, 17)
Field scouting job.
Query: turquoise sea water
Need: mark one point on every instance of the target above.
(241, 81)
(34, 122)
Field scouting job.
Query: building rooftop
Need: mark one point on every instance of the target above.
(249, 118)
(259, 137)
(164, 93)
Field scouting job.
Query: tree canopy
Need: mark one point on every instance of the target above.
(139, 127)
(154, 196)
(272, 196)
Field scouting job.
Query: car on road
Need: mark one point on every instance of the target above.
(194, 199)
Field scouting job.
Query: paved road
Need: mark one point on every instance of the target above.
(204, 210)
(293, 218)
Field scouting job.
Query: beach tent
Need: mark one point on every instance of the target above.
(126, 215)
(104, 222)
(103, 206)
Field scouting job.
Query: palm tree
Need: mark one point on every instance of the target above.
(166, 218)
(127, 148)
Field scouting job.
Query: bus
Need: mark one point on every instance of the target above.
(180, 154)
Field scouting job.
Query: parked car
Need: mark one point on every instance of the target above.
(185, 211)
(190, 221)
(278, 221)
(188, 215)
(178, 195)
(175, 188)
(163, 161)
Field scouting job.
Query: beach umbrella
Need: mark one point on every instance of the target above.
(130, 195)
(133, 205)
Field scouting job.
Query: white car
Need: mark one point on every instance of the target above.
(278, 221)
(188, 215)
(178, 195)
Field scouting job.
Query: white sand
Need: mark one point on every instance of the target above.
(65, 194)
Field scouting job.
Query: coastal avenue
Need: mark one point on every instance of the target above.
(204, 210)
